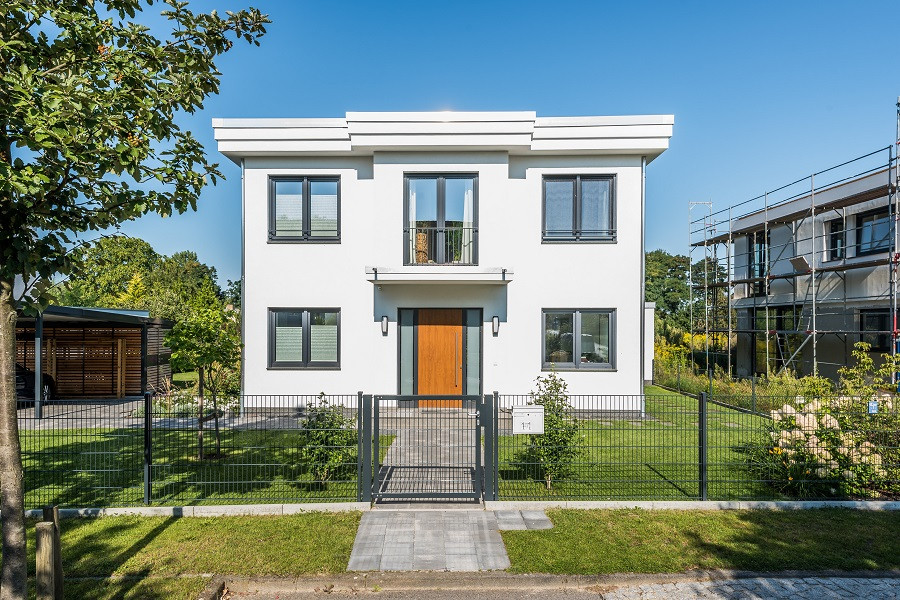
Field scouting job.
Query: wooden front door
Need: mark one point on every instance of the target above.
(440, 358)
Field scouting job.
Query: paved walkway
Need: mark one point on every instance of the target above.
(437, 540)
(433, 452)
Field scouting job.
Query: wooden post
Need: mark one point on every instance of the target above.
(51, 515)
(45, 569)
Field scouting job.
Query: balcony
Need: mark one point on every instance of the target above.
(451, 245)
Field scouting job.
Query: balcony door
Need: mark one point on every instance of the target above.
(440, 222)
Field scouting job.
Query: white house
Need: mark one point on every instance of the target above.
(443, 252)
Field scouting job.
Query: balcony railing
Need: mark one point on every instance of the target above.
(441, 245)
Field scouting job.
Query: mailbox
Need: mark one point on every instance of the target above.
(528, 419)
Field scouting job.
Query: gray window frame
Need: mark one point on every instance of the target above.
(576, 340)
(441, 179)
(839, 234)
(306, 363)
(577, 237)
(886, 210)
(881, 313)
(306, 238)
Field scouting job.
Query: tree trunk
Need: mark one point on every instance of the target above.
(216, 413)
(13, 579)
(200, 414)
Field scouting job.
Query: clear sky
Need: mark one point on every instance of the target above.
(762, 92)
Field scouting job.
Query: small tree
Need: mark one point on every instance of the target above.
(209, 337)
(555, 449)
(329, 447)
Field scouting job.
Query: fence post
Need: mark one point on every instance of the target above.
(495, 445)
(679, 377)
(753, 394)
(148, 443)
(51, 515)
(365, 455)
(702, 445)
(487, 420)
(47, 543)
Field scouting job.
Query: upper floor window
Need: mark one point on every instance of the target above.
(837, 240)
(304, 209)
(873, 232)
(304, 338)
(578, 339)
(441, 220)
(758, 246)
(579, 208)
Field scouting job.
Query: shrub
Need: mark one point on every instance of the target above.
(553, 451)
(329, 447)
(830, 445)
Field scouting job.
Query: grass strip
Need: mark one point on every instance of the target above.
(303, 544)
(636, 541)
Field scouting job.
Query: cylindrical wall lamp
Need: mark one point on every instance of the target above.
(495, 324)
(384, 325)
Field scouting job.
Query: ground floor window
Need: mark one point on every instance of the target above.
(876, 321)
(781, 346)
(304, 338)
(578, 338)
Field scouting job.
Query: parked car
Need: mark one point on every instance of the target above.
(25, 386)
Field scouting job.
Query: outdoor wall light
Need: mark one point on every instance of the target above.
(495, 324)
(384, 325)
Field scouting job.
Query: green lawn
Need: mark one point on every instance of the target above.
(655, 457)
(164, 558)
(103, 467)
(185, 380)
(634, 541)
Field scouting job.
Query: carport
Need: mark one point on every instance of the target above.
(94, 352)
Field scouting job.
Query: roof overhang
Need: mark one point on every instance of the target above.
(86, 316)
(517, 132)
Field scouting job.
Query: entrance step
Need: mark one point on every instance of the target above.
(511, 520)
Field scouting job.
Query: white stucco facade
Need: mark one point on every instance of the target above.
(518, 274)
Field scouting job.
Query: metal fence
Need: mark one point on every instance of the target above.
(677, 447)
(267, 449)
(281, 449)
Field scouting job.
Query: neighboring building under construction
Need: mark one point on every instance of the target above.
(795, 277)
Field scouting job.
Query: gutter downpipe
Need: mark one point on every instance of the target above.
(243, 287)
(643, 343)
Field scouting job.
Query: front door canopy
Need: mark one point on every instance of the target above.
(440, 274)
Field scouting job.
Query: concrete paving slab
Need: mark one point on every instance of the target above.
(428, 541)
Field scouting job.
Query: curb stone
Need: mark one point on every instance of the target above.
(214, 589)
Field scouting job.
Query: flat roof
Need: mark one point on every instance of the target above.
(515, 132)
(76, 314)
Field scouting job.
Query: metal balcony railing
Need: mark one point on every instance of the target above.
(441, 245)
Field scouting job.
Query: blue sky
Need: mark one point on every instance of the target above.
(763, 93)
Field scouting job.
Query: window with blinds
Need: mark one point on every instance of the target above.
(304, 209)
(304, 338)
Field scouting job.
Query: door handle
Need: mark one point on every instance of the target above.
(455, 358)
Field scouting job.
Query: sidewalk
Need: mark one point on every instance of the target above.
(471, 586)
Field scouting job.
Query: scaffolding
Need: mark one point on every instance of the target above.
(793, 278)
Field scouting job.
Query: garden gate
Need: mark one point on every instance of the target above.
(428, 448)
